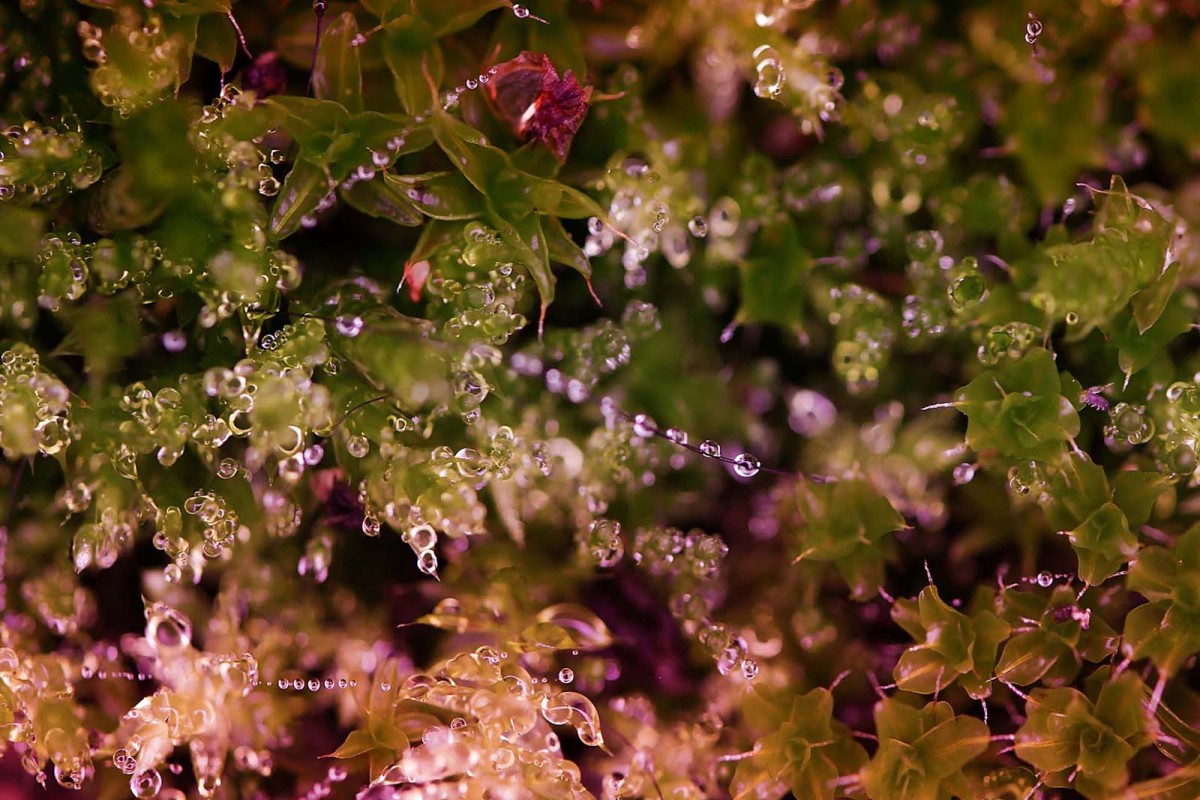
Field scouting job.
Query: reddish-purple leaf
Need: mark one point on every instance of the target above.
(528, 93)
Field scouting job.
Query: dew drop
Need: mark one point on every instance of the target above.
(676, 435)
(746, 465)
(710, 449)
(358, 446)
(643, 426)
(145, 784)
(348, 325)
(174, 341)
(566, 675)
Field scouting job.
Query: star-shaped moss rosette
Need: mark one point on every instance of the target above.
(1086, 741)
(849, 524)
(807, 750)
(1017, 409)
(1053, 635)
(922, 752)
(951, 646)
(1124, 264)
(1098, 516)
(1166, 629)
(381, 736)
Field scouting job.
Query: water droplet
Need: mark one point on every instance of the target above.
(1045, 580)
(643, 426)
(964, 473)
(348, 325)
(746, 465)
(174, 341)
(566, 675)
(358, 446)
(145, 784)
(1033, 29)
(698, 226)
(771, 73)
(427, 562)
(710, 449)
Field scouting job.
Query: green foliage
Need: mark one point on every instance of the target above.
(833, 302)
(951, 646)
(1018, 410)
(1086, 741)
(922, 752)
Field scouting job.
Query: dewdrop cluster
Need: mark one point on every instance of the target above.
(37, 161)
(35, 406)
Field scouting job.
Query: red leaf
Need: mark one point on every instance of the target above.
(537, 104)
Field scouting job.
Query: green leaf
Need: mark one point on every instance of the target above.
(317, 125)
(847, 522)
(20, 231)
(379, 198)
(217, 41)
(302, 191)
(440, 195)
(408, 63)
(1018, 409)
(445, 17)
(1135, 493)
(1149, 303)
(559, 200)
(773, 283)
(356, 743)
(950, 745)
(1029, 656)
(563, 249)
(921, 752)
(379, 133)
(338, 74)
(529, 242)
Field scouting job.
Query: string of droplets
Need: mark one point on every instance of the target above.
(450, 97)
(744, 465)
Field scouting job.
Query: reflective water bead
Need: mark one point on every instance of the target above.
(676, 435)
(348, 325)
(710, 449)
(746, 465)
(771, 75)
(145, 784)
(643, 426)
(566, 675)
(174, 341)
(427, 562)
